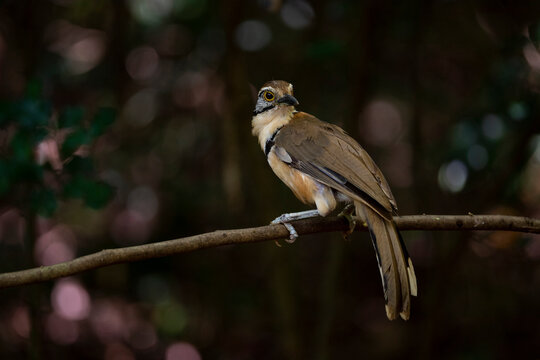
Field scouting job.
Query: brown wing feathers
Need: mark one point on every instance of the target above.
(327, 154)
(322, 150)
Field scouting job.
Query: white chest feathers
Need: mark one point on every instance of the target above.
(266, 123)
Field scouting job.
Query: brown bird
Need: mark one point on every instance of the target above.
(324, 166)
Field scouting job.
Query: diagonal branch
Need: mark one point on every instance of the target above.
(257, 234)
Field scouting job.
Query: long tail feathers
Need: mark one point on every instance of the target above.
(397, 271)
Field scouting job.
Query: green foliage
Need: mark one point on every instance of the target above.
(32, 113)
(95, 194)
(43, 201)
(75, 140)
(28, 121)
(103, 119)
(71, 116)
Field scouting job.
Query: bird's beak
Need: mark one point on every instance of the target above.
(288, 99)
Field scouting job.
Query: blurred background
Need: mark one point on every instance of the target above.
(127, 122)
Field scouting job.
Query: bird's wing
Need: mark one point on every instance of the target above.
(327, 154)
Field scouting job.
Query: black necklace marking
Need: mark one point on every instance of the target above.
(270, 142)
(258, 110)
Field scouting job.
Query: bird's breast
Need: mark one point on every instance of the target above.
(301, 185)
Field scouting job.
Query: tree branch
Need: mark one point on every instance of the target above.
(257, 234)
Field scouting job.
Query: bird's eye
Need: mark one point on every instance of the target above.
(269, 96)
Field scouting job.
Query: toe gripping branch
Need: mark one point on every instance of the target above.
(347, 213)
(285, 220)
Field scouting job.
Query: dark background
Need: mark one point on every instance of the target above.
(443, 95)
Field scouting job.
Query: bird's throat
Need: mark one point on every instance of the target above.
(265, 124)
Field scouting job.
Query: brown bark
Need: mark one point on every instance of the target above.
(258, 234)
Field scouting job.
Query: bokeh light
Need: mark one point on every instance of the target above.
(517, 111)
(144, 201)
(82, 48)
(141, 108)
(477, 157)
(453, 176)
(535, 146)
(142, 63)
(150, 11)
(86, 53)
(297, 14)
(252, 35)
(492, 127)
(55, 246)
(118, 351)
(20, 321)
(130, 228)
(531, 54)
(108, 320)
(182, 351)
(70, 300)
(170, 317)
(382, 123)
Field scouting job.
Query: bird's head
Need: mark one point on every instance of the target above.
(274, 94)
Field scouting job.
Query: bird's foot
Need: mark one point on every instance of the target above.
(285, 220)
(347, 214)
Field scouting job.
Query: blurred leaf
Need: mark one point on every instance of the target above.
(22, 146)
(102, 120)
(32, 113)
(75, 188)
(98, 194)
(71, 116)
(74, 140)
(44, 202)
(79, 165)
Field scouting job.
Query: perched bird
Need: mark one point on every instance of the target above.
(324, 166)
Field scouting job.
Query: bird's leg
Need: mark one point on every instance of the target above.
(347, 214)
(285, 219)
(295, 216)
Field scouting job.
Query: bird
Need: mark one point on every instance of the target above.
(325, 167)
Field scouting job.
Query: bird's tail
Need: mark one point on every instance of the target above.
(395, 265)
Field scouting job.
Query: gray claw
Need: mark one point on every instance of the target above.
(293, 235)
